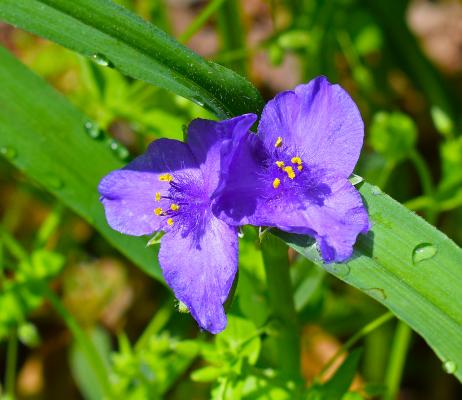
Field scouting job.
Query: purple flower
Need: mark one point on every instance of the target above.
(294, 174)
(169, 188)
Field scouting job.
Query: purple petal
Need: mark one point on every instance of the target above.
(319, 121)
(240, 189)
(201, 270)
(332, 211)
(129, 194)
(206, 139)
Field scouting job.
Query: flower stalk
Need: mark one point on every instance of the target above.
(280, 291)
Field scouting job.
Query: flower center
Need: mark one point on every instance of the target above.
(288, 170)
(182, 205)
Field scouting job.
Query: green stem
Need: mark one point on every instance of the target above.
(49, 226)
(424, 173)
(11, 364)
(281, 299)
(232, 33)
(427, 183)
(159, 320)
(385, 175)
(371, 326)
(200, 20)
(85, 343)
(397, 360)
(13, 246)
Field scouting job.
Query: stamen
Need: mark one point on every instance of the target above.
(174, 207)
(158, 211)
(290, 172)
(165, 178)
(170, 221)
(278, 142)
(296, 160)
(300, 167)
(280, 164)
(157, 196)
(276, 183)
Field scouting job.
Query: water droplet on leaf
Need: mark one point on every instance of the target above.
(449, 367)
(198, 102)
(240, 232)
(423, 251)
(376, 293)
(92, 130)
(376, 191)
(120, 151)
(101, 59)
(8, 152)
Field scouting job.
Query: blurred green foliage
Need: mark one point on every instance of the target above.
(413, 149)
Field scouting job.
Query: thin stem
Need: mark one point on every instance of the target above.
(200, 20)
(13, 246)
(87, 346)
(49, 226)
(371, 326)
(275, 258)
(2, 265)
(232, 33)
(427, 183)
(420, 203)
(397, 360)
(385, 175)
(424, 173)
(11, 364)
(159, 320)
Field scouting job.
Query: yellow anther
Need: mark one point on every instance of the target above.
(278, 142)
(290, 172)
(166, 178)
(157, 196)
(276, 183)
(280, 164)
(174, 207)
(158, 211)
(300, 167)
(296, 160)
(170, 221)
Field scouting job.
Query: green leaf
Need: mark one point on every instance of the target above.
(114, 37)
(407, 265)
(82, 370)
(393, 135)
(240, 338)
(39, 131)
(45, 136)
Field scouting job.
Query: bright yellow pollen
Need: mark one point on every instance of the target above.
(276, 183)
(157, 196)
(278, 142)
(158, 211)
(174, 207)
(166, 178)
(280, 164)
(290, 172)
(300, 167)
(296, 160)
(170, 221)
